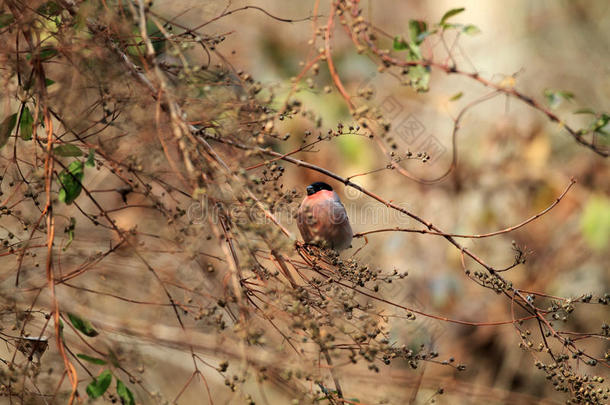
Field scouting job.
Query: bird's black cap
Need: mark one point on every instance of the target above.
(317, 186)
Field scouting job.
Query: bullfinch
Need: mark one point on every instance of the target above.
(322, 218)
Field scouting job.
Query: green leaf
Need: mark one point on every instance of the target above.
(82, 325)
(420, 78)
(70, 231)
(555, 97)
(414, 52)
(6, 128)
(124, 393)
(6, 19)
(70, 182)
(50, 8)
(48, 82)
(599, 124)
(156, 37)
(471, 29)
(420, 38)
(99, 385)
(416, 29)
(595, 223)
(26, 125)
(91, 158)
(450, 14)
(138, 48)
(456, 96)
(584, 111)
(399, 44)
(67, 150)
(447, 26)
(47, 53)
(418, 75)
(90, 359)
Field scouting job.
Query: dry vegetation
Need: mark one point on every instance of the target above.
(148, 191)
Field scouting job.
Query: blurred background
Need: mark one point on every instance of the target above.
(513, 163)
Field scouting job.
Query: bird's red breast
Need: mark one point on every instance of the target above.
(322, 218)
(321, 196)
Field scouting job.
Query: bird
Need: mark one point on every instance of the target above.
(322, 218)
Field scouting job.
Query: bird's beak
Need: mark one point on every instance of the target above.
(310, 190)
